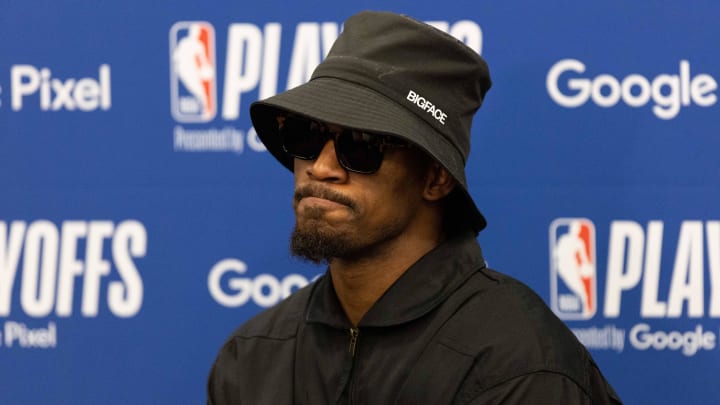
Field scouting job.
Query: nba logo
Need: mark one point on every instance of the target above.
(573, 278)
(192, 71)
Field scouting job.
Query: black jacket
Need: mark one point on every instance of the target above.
(449, 331)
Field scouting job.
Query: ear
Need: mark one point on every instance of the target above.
(438, 182)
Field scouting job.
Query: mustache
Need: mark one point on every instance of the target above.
(322, 192)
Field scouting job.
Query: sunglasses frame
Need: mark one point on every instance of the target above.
(370, 139)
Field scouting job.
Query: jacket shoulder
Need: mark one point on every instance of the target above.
(259, 356)
(512, 333)
(278, 322)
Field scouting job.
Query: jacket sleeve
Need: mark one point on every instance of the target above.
(546, 388)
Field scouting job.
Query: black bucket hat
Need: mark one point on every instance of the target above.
(391, 74)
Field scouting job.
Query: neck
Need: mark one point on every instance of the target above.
(360, 282)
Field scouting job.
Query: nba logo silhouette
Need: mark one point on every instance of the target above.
(573, 280)
(192, 71)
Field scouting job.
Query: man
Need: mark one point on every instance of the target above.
(408, 312)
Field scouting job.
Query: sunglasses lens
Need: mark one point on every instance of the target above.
(356, 151)
(359, 151)
(302, 138)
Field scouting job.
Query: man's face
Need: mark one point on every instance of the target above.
(343, 214)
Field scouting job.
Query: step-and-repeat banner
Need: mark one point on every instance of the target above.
(141, 220)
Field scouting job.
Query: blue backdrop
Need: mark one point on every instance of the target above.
(141, 220)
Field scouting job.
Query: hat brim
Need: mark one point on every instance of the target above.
(348, 104)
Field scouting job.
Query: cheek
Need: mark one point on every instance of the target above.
(299, 166)
(404, 184)
(392, 200)
(408, 189)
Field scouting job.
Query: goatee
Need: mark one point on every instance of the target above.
(315, 240)
(316, 245)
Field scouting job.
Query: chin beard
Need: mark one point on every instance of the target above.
(317, 245)
(320, 244)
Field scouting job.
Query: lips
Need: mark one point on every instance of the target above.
(317, 202)
(322, 197)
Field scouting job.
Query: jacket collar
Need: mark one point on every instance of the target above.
(424, 286)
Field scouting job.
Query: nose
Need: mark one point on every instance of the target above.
(326, 166)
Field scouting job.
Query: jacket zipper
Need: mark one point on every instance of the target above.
(354, 332)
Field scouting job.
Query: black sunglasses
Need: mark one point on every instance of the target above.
(357, 151)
